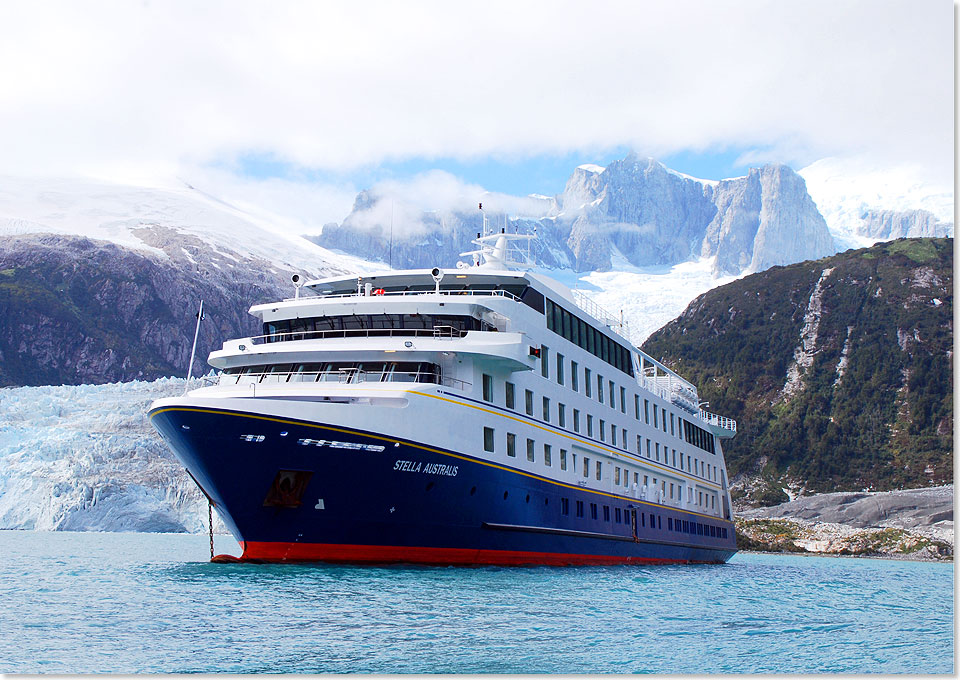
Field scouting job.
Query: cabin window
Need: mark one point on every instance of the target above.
(528, 402)
(589, 425)
(563, 459)
(612, 392)
(511, 445)
(599, 470)
(672, 432)
(564, 506)
(561, 415)
(646, 411)
(586, 380)
(544, 361)
(576, 420)
(487, 387)
(616, 474)
(547, 455)
(559, 369)
(623, 400)
(602, 429)
(574, 378)
(593, 511)
(531, 454)
(600, 388)
(546, 409)
(655, 415)
(488, 439)
(579, 508)
(510, 394)
(586, 466)
(636, 406)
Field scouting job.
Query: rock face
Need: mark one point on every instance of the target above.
(765, 219)
(838, 371)
(886, 225)
(634, 209)
(916, 523)
(75, 310)
(903, 509)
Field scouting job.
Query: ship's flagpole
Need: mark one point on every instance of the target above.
(193, 351)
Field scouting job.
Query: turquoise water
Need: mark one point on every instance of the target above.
(149, 603)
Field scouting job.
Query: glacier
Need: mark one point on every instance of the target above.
(85, 458)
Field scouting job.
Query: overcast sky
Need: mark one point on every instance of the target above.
(307, 102)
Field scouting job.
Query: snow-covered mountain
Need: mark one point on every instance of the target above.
(636, 210)
(864, 204)
(101, 281)
(162, 220)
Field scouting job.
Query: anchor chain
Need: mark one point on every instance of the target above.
(210, 524)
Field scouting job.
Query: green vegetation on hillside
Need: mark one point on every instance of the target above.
(874, 409)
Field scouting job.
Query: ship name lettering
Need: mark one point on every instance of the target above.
(407, 465)
(440, 469)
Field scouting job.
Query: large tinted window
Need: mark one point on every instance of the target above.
(582, 334)
(317, 327)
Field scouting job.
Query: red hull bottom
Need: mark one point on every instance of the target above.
(262, 551)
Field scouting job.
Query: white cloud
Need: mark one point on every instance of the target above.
(118, 88)
(295, 206)
(401, 203)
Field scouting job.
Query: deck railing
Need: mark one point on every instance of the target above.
(401, 293)
(719, 421)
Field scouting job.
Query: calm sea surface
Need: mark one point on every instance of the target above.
(148, 603)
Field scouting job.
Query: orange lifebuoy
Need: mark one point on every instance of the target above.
(379, 291)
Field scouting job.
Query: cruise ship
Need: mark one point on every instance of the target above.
(482, 414)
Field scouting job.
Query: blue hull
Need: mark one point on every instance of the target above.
(294, 490)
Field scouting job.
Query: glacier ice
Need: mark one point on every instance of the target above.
(85, 458)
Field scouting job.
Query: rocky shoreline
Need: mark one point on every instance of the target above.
(915, 524)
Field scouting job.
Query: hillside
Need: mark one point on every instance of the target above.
(838, 370)
(76, 310)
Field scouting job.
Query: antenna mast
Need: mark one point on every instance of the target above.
(193, 351)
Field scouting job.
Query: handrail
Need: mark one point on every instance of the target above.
(586, 303)
(720, 421)
(494, 293)
(343, 376)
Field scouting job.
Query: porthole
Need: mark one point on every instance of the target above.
(504, 495)
(429, 486)
(473, 490)
(528, 498)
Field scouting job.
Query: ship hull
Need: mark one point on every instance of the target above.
(290, 489)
